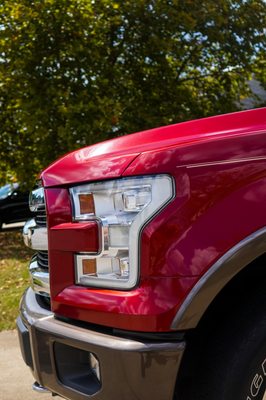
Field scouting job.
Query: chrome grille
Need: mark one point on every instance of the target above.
(40, 218)
(41, 221)
(35, 237)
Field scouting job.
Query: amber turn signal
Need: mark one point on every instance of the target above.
(89, 266)
(86, 202)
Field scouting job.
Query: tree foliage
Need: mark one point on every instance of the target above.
(74, 72)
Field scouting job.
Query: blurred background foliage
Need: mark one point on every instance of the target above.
(75, 72)
(14, 276)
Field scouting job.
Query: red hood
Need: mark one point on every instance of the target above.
(110, 159)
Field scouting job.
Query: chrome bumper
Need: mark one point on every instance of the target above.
(40, 281)
(59, 354)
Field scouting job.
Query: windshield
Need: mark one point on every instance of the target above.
(6, 190)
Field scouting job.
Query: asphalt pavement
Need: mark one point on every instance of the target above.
(15, 377)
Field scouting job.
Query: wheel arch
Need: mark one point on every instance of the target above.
(217, 277)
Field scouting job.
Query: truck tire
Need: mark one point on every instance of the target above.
(230, 364)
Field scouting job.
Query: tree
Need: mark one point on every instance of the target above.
(74, 72)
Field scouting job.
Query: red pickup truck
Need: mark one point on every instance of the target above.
(149, 275)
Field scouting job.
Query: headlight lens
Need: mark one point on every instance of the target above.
(122, 208)
(36, 199)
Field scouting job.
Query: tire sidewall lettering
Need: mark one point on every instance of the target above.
(257, 382)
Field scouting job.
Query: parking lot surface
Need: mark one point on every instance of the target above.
(15, 377)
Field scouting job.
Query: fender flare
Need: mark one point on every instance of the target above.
(214, 280)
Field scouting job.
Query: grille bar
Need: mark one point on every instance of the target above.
(41, 220)
(42, 260)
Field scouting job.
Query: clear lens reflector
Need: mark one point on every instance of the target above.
(102, 267)
(136, 199)
(119, 236)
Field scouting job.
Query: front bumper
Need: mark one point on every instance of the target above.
(58, 354)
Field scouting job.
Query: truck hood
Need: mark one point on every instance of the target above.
(109, 159)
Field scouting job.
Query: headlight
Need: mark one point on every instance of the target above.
(36, 199)
(122, 207)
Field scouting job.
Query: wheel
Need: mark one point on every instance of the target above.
(226, 359)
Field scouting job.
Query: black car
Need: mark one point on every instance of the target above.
(14, 204)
